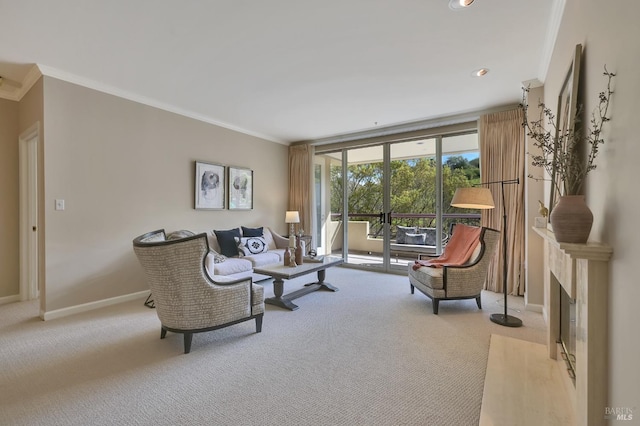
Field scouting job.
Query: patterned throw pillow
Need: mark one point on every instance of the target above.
(402, 231)
(415, 238)
(251, 245)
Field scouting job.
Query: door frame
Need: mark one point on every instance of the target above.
(319, 226)
(29, 213)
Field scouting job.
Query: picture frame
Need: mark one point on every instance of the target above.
(566, 113)
(209, 186)
(240, 185)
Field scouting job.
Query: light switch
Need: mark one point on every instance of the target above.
(59, 204)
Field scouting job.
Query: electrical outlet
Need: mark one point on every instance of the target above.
(59, 204)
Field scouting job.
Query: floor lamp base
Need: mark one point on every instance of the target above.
(506, 320)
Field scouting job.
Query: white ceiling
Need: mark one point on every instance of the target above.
(286, 70)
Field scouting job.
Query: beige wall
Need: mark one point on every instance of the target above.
(610, 35)
(534, 192)
(15, 118)
(124, 169)
(9, 220)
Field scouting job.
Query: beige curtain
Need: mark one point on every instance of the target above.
(300, 183)
(502, 157)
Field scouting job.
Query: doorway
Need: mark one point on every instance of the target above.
(29, 227)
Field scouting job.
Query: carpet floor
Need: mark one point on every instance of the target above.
(369, 354)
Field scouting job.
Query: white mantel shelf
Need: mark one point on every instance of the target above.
(583, 271)
(589, 251)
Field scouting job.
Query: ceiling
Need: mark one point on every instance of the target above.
(285, 70)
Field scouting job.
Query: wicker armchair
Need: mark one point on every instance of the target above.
(457, 282)
(187, 299)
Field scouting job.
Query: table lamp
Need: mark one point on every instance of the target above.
(292, 217)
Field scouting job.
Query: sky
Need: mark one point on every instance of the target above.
(469, 156)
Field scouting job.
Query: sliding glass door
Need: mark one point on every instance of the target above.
(388, 204)
(364, 192)
(415, 199)
(321, 212)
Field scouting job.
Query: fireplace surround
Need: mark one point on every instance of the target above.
(582, 270)
(567, 337)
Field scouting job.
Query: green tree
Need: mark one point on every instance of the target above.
(413, 187)
(457, 162)
(471, 168)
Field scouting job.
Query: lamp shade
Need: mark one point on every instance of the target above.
(473, 198)
(292, 217)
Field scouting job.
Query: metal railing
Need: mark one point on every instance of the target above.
(423, 220)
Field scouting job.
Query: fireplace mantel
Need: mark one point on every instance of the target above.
(583, 271)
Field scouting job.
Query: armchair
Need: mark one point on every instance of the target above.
(457, 282)
(187, 300)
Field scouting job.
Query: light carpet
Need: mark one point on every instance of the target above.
(369, 354)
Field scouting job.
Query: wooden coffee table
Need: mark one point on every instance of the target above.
(279, 272)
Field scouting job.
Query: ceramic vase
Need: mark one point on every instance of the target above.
(571, 219)
(287, 256)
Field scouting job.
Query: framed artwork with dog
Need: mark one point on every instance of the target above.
(210, 186)
(240, 188)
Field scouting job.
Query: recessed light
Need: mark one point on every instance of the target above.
(480, 72)
(460, 4)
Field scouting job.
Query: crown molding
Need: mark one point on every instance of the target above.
(30, 79)
(17, 93)
(110, 90)
(9, 93)
(557, 11)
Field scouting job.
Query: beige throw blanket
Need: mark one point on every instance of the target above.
(463, 242)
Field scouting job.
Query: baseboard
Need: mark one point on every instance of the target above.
(9, 299)
(71, 310)
(533, 307)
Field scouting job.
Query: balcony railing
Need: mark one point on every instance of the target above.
(423, 220)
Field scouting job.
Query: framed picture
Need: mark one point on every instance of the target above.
(240, 189)
(567, 106)
(210, 186)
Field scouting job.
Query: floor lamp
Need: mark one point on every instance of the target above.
(478, 197)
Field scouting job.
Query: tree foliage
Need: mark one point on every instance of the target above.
(413, 185)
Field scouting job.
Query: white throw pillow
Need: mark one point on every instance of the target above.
(268, 237)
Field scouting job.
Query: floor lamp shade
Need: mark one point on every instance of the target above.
(473, 198)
